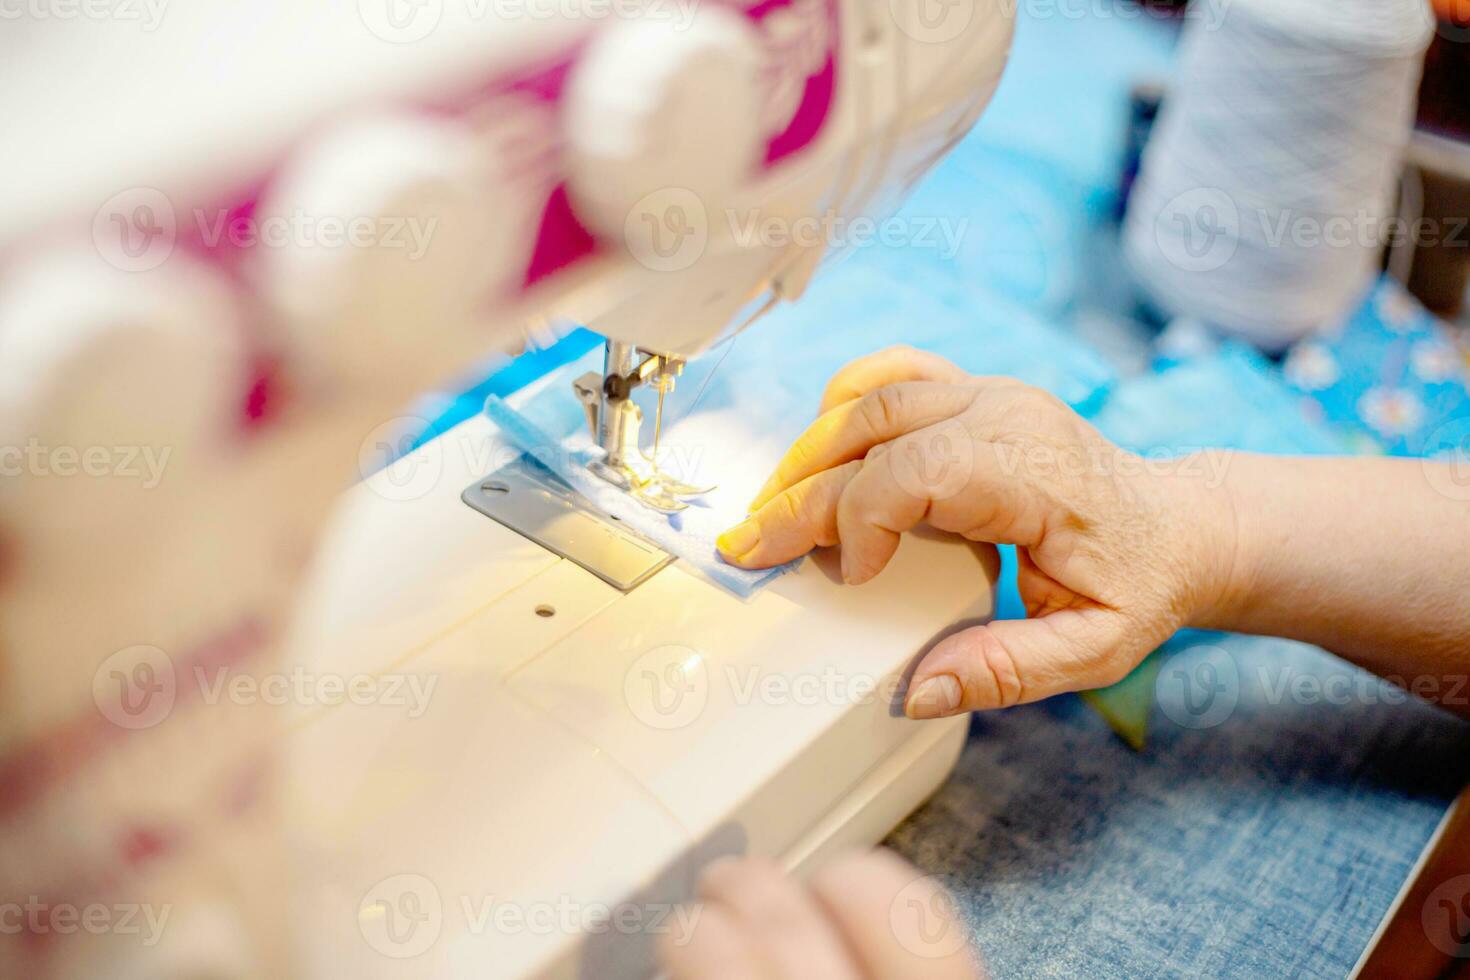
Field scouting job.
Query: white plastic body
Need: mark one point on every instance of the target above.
(269, 373)
(596, 756)
(219, 100)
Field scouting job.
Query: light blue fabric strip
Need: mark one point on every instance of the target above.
(689, 535)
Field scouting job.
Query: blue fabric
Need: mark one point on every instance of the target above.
(1064, 98)
(499, 376)
(1390, 377)
(1016, 225)
(1231, 398)
(1026, 188)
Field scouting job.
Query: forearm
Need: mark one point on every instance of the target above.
(1368, 558)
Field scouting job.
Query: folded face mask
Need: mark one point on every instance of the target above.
(690, 534)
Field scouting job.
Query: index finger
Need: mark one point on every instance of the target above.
(792, 523)
(943, 476)
(891, 366)
(850, 430)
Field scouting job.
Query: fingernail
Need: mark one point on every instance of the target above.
(740, 540)
(937, 697)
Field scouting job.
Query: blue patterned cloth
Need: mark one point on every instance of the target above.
(1391, 377)
(1231, 398)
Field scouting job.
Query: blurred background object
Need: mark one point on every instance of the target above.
(1439, 164)
(1272, 169)
(1427, 245)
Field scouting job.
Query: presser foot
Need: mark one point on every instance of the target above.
(672, 486)
(614, 421)
(662, 492)
(655, 496)
(678, 488)
(619, 475)
(650, 491)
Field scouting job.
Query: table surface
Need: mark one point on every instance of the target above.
(1277, 810)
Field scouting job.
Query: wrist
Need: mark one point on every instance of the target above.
(1220, 570)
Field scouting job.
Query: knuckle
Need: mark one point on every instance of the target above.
(1036, 403)
(996, 669)
(882, 409)
(788, 510)
(1051, 401)
(872, 519)
(1029, 416)
(801, 456)
(998, 382)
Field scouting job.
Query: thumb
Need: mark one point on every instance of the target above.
(1019, 661)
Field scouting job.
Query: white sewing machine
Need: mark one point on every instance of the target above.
(555, 721)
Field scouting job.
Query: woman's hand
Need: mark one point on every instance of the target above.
(864, 915)
(1115, 553)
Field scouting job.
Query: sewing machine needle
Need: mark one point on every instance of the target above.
(658, 424)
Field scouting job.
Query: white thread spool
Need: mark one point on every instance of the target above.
(1263, 195)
